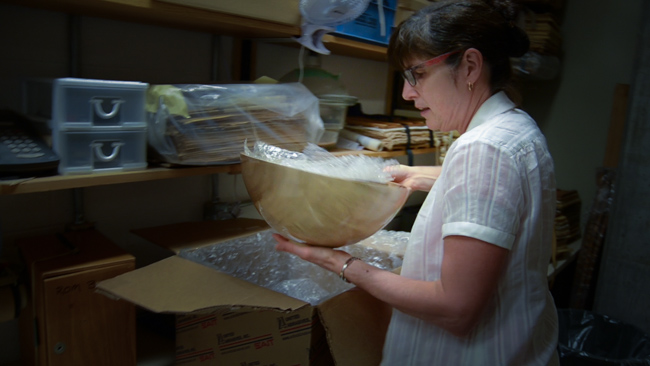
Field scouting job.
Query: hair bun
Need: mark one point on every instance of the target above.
(507, 8)
(510, 11)
(520, 43)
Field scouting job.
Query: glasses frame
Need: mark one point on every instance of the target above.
(408, 73)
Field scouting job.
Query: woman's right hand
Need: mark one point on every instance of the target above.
(420, 178)
(328, 258)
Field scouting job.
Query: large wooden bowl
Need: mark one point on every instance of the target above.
(318, 209)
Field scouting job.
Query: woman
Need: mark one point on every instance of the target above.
(473, 287)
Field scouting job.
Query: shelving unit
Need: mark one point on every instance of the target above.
(190, 18)
(187, 18)
(59, 182)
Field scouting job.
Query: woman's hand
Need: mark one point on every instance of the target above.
(469, 277)
(419, 178)
(328, 258)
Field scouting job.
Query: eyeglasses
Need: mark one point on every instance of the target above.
(408, 73)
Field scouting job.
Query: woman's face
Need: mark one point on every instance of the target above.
(441, 99)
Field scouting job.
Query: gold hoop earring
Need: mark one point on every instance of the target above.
(470, 85)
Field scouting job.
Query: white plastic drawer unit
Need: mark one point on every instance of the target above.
(88, 103)
(84, 152)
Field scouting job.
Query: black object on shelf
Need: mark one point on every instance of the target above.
(23, 153)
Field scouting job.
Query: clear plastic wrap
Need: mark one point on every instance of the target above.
(534, 66)
(254, 259)
(315, 159)
(195, 124)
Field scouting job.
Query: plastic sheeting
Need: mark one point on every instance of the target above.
(317, 160)
(587, 338)
(254, 259)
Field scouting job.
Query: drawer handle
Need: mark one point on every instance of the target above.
(100, 111)
(100, 153)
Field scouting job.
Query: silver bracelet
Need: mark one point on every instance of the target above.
(345, 266)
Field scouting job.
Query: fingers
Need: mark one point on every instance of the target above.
(283, 243)
(314, 254)
(393, 169)
(289, 246)
(398, 172)
(327, 258)
(279, 238)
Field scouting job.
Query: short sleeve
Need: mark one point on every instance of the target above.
(483, 194)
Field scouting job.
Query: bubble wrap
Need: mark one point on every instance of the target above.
(317, 160)
(253, 258)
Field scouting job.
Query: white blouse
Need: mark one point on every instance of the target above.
(497, 185)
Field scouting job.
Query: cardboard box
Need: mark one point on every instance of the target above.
(66, 322)
(223, 320)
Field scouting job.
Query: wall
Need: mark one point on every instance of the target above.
(625, 267)
(603, 47)
(573, 111)
(364, 79)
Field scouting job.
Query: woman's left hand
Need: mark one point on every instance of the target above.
(420, 178)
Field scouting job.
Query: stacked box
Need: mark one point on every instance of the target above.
(567, 217)
(96, 125)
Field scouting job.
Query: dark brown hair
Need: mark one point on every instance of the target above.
(457, 25)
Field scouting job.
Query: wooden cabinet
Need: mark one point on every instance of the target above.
(66, 321)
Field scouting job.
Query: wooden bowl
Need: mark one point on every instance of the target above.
(318, 209)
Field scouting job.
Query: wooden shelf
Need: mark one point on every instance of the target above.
(190, 18)
(348, 47)
(165, 14)
(61, 182)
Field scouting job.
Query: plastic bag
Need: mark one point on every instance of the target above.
(588, 338)
(208, 124)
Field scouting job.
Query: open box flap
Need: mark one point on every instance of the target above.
(355, 318)
(178, 285)
(193, 235)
